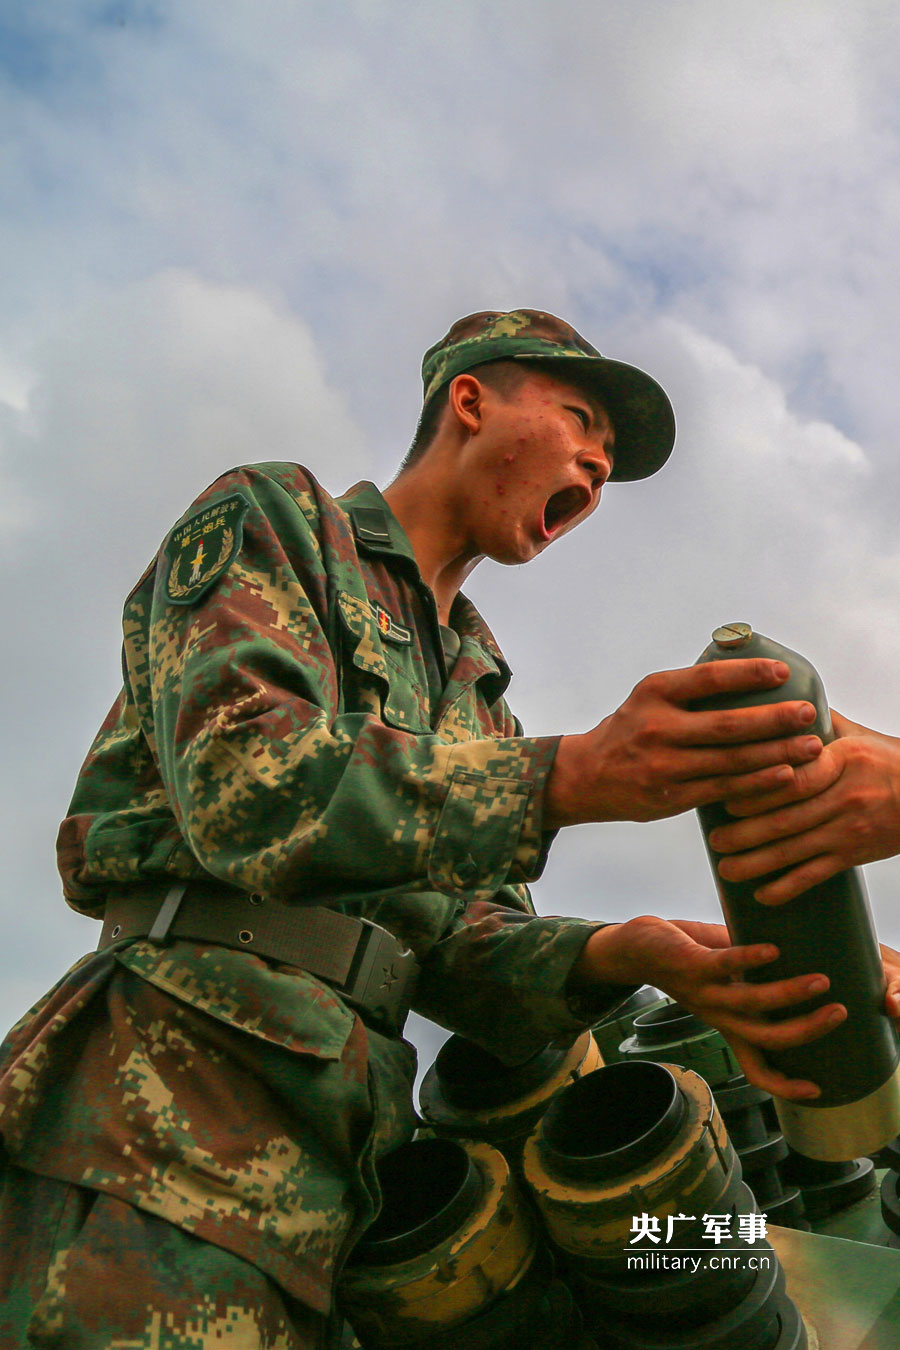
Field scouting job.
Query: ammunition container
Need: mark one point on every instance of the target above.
(715, 1307)
(829, 1187)
(753, 1129)
(635, 1138)
(762, 1318)
(671, 1034)
(890, 1203)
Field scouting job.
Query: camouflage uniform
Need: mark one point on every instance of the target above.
(287, 725)
(191, 1129)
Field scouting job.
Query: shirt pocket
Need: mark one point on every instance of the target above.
(373, 679)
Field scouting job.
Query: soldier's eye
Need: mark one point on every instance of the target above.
(582, 414)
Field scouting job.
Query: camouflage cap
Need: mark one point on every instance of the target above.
(639, 407)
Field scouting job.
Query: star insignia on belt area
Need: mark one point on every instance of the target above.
(390, 976)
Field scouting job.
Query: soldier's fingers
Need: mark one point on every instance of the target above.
(793, 1031)
(725, 962)
(723, 677)
(715, 935)
(757, 1071)
(777, 854)
(748, 785)
(889, 955)
(891, 963)
(701, 791)
(800, 879)
(748, 756)
(752, 999)
(758, 831)
(732, 726)
(810, 780)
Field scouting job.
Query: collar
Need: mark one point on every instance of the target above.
(469, 623)
(377, 530)
(375, 527)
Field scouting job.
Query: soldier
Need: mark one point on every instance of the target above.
(310, 807)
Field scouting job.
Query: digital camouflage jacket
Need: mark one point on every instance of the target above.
(287, 725)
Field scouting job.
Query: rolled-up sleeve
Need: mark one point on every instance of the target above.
(500, 978)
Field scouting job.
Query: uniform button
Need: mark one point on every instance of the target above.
(466, 872)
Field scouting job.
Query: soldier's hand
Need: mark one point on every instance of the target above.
(696, 965)
(839, 810)
(657, 755)
(891, 961)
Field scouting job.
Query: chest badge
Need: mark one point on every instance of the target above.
(388, 626)
(201, 549)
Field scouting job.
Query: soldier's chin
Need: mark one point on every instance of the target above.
(514, 553)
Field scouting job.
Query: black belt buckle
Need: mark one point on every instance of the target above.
(382, 977)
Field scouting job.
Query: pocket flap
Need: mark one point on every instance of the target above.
(286, 1007)
(358, 621)
(403, 706)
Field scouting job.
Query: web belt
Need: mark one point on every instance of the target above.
(368, 965)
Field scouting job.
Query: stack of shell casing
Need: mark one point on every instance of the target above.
(751, 1122)
(829, 1187)
(667, 1033)
(890, 1205)
(462, 1256)
(644, 1137)
(889, 1157)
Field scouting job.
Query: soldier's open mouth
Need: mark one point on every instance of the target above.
(564, 506)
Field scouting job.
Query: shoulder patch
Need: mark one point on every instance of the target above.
(202, 548)
(388, 626)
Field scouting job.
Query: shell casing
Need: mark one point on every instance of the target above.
(668, 1034)
(406, 1301)
(619, 1026)
(696, 1171)
(842, 1133)
(507, 1125)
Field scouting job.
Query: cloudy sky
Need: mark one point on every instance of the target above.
(230, 230)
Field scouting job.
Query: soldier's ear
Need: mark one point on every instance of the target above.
(466, 402)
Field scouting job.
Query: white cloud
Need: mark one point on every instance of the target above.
(141, 397)
(750, 99)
